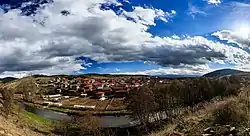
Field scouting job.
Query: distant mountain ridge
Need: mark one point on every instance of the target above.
(176, 76)
(7, 79)
(217, 73)
(225, 72)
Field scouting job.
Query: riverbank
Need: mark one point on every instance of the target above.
(58, 122)
(70, 111)
(34, 122)
(23, 123)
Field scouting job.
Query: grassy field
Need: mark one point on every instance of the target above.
(34, 121)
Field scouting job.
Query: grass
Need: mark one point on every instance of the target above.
(34, 121)
(68, 109)
(233, 113)
(230, 111)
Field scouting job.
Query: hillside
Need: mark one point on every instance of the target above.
(10, 127)
(225, 72)
(7, 79)
(207, 94)
(224, 116)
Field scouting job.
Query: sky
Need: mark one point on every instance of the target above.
(150, 37)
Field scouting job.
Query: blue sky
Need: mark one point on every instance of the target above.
(155, 37)
(182, 24)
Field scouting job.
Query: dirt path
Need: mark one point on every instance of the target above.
(9, 128)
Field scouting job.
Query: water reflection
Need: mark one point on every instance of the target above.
(106, 121)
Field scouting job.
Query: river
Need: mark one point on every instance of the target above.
(105, 121)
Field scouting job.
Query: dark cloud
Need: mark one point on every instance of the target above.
(233, 37)
(192, 56)
(102, 35)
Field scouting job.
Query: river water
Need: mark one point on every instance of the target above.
(106, 121)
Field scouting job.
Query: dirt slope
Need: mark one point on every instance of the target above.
(9, 127)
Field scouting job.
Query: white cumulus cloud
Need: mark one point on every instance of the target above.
(233, 37)
(49, 41)
(180, 70)
(215, 2)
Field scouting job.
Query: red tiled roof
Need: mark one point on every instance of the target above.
(78, 78)
(100, 93)
(65, 78)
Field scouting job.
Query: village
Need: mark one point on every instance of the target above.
(90, 93)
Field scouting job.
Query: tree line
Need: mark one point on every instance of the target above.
(155, 100)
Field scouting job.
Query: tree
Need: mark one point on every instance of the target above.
(6, 100)
(164, 99)
(28, 88)
(80, 126)
(141, 103)
(88, 124)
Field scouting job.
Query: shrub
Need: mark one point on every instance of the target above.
(65, 128)
(80, 126)
(231, 113)
(27, 87)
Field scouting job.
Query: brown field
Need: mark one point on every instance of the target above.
(78, 101)
(115, 104)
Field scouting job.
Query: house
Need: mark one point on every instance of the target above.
(103, 98)
(100, 94)
(88, 89)
(55, 104)
(100, 87)
(65, 79)
(83, 107)
(55, 99)
(79, 79)
(107, 90)
(53, 96)
(137, 84)
(84, 95)
(66, 97)
(59, 90)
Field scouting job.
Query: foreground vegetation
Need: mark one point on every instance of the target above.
(196, 106)
(33, 121)
(157, 106)
(226, 116)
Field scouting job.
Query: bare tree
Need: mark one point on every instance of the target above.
(89, 124)
(28, 88)
(6, 100)
(80, 126)
(141, 103)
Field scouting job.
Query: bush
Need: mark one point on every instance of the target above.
(80, 126)
(66, 128)
(232, 113)
(27, 87)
